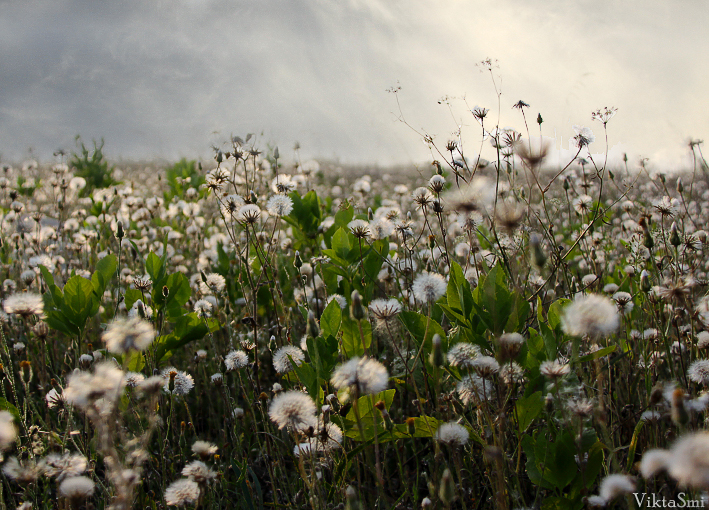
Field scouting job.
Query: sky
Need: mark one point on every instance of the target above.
(170, 78)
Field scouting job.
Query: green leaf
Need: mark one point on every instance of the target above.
(493, 301)
(331, 319)
(153, 265)
(528, 409)
(341, 243)
(418, 325)
(7, 406)
(188, 328)
(131, 296)
(459, 295)
(599, 353)
(352, 339)
(105, 270)
(308, 378)
(79, 297)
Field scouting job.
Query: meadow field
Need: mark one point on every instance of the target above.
(261, 332)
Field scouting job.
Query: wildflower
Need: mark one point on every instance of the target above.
(133, 379)
(176, 382)
(8, 434)
(380, 228)
(698, 371)
(463, 354)
(511, 344)
(703, 339)
(511, 373)
(364, 375)
(293, 410)
(204, 449)
(24, 304)
(24, 472)
(452, 433)
(581, 408)
(667, 207)
(654, 461)
(235, 360)
(77, 488)
(583, 204)
(249, 214)
(385, 310)
(341, 300)
(182, 492)
(554, 369)
(198, 471)
(84, 388)
(437, 183)
(281, 361)
(485, 366)
(279, 205)
(123, 335)
(613, 486)
(215, 282)
(593, 315)
(64, 466)
(359, 228)
(624, 302)
(473, 388)
(203, 308)
(422, 197)
(429, 287)
(687, 462)
(584, 137)
(604, 115)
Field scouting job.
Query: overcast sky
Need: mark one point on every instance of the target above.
(168, 78)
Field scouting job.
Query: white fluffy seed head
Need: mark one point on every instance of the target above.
(592, 315)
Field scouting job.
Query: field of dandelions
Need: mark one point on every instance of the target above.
(258, 331)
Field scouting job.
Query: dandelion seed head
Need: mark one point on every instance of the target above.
(182, 492)
(293, 410)
(125, 334)
(463, 354)
(235, 360)
(592, 315)
(199, 472)
(77, 487)
(452, 433)
(616, 485)
(429, 287)
(279, 205)
(281, 361)
(698, 371)
(364, 375)
(24, 304)
(654, 461)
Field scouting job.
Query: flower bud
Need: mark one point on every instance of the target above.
(645, 281)
(674, 235)
(539, 258)
(120, 234)
(356, 308)
(680, 186)
(313, 327)
(436, 357)
(447, 489)
(298, 263)
(411, 426)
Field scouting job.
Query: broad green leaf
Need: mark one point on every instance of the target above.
(331, 319)
(528, 408)
(599, 353)
(105, 271)
(131, 296)
(153, 266)
(354, 341)
(418, 325)
(7, 406)
(341, 243)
